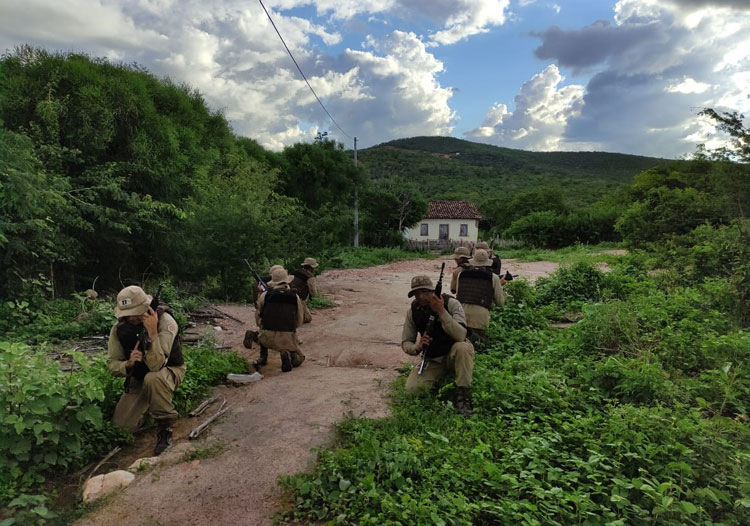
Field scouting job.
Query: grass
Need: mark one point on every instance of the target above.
(321, 302)
(362, 257)
(565, 256)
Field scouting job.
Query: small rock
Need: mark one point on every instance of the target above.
(143, 463)
(217, 328)
(102, 485)
(240, 379)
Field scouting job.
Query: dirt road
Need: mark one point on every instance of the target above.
(353, 353)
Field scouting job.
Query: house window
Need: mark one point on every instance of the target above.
(464, 231)
(423, 229)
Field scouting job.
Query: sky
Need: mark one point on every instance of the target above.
(626, 76)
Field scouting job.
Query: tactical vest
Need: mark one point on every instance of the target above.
(279, 312)
(129, 334)
(299, 284)
(441, 342)
(475, 287)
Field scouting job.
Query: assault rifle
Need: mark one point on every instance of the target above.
(508, 276)
(261, 283)
(433, 317)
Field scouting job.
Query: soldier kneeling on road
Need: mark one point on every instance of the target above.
(305, 284)
(144, 347)
(446, 347)
(279, 313)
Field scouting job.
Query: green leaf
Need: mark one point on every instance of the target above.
(90, 413)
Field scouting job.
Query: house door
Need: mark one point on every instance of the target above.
(443, 233)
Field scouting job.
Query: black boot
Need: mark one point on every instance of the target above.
(463, 401)
(286, 361)
(263, 358)
(163, 437)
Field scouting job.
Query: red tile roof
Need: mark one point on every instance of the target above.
(452, 210)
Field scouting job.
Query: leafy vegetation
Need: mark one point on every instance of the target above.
(621, 419)
(54, 421)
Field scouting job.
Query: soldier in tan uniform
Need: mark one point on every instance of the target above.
(279, 313)
(478, 289)
(496, 264)
(446, 347)
(305, 284)
(142, 348)
(461, 257)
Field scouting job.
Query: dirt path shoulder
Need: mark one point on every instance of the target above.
(353, 353)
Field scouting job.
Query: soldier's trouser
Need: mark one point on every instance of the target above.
(306, 314)
(460, 360)
(152, 395)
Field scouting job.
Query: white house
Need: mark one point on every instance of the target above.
(447, 223)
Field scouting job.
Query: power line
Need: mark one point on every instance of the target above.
(300, 71)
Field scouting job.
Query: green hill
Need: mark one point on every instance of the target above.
(449, 168)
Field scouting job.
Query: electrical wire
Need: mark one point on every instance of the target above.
(300, 70)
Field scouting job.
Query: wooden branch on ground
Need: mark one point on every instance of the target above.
(102, 461)
(201, 408)
(228, 315)
(197, 430)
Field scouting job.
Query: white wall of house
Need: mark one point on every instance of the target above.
(454, 230)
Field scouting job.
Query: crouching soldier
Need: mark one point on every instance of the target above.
(279, 313)
(447, 350)
(144, 347)
(305, 284)
(478, 289)
(461, 257)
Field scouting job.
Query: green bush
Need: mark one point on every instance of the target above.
(51, 420)
(205, 367)
(54, 421)
(575, 283)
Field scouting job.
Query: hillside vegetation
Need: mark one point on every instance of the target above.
(449, 168)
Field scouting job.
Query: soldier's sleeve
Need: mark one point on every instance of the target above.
(454, 280)
(261, 300)
(409, 336)
(300, 312)
(453, 320)
(115, 355)
(312, 285)
(157, 355)
(498, 290)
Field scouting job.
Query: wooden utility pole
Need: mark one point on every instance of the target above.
(356, 202)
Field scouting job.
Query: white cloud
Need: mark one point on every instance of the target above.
(66, 24)
(542, 111)
(459, 19)
(688, 86)
(652, 71)
(470, 18)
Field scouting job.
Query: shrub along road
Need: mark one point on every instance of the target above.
(228, 476)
